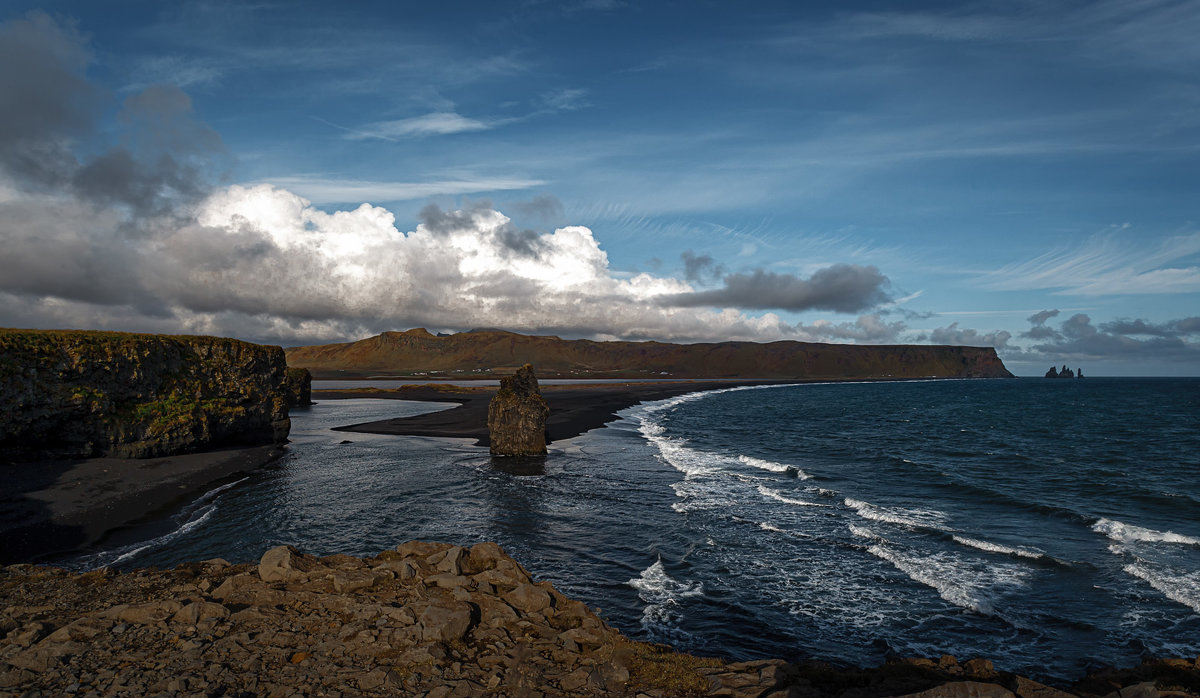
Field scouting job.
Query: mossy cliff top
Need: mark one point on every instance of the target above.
(74, 393)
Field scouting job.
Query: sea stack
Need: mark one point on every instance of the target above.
(517, 416)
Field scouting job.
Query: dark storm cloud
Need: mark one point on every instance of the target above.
(1077, 338)
(441, 222)
(46, 100)
(77, 231)
(1039, 329)
(699, 267)
(843, 288)
(514, 240)
(1175, 328)
(965, 336)
(544, 207)
(49, 107)
(164, 161)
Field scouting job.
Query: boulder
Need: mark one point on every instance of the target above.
(528, 599)
(446, 623)
(286, 564)
(517, 416)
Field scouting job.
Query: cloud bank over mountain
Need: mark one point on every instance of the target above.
(135, 235)
(116, 211)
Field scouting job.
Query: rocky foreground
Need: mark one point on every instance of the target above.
(425, 619)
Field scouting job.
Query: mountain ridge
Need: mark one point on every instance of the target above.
(482, 353)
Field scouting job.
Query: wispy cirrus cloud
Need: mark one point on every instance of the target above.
(1106, 265)
(328, 190)
(433, 124)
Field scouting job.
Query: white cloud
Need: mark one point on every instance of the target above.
(263, 262)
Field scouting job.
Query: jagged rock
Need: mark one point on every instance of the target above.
(964, 689)
(445, 623)
(304, 632)
(517, 416)
(286, 564)
(979, 669)
(528, 599)
(1146, 689)
(1028, 688)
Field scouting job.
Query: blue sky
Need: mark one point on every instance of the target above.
(1020, 175)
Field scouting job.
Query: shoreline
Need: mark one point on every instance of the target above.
(424, 618)
(54, 508)
(574, 409)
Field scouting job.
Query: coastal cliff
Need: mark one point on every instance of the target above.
(77, 394)
(424, 618)
(481, 353)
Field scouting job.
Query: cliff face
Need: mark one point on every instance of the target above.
(67, 394)
(517, 416)
(484, 352)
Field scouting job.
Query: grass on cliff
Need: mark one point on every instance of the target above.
(659, 667)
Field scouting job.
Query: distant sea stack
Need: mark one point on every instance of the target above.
(299, 384)
(485, 353)
(517, 416)
(1064, 373)
(78, 394)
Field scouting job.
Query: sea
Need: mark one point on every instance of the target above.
(1051, 526)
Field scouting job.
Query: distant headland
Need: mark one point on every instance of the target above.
(417, 353)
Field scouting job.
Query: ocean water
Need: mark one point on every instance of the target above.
(1046, 525)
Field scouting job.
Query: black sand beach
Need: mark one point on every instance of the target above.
(574, 409)
(49, 508)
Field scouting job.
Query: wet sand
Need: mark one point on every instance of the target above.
(50, 508)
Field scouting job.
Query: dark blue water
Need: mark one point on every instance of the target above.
(1043, 524)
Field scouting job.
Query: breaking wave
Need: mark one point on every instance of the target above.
(1128, 533)
(914, 518)
(997, 548)
(772, 494)
(1181, 588)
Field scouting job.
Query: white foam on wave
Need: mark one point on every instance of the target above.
(772, 494)
(772, 466)
(1180, 588)
(864, 532)
(998, 548)
(1128, 533)
(768, 526)
(193, 516)
(662, 594)
(915, 518)
(960, 584)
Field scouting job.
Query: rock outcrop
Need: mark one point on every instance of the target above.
(1064, 373)
(73, 394)
(517, 416)
(299, 384)
(423, 619)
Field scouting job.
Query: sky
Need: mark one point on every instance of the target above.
(1022, 175)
